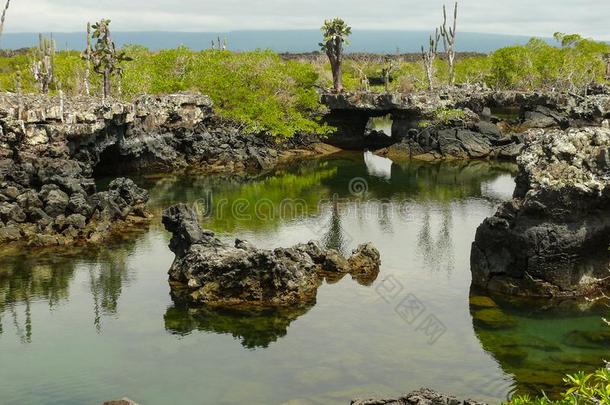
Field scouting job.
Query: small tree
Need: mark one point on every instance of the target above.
(429, 56)
(106, 59)
(335, 33)
(43, 66)
(449, 42)
(567, 40)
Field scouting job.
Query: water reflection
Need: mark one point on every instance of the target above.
(325, 205)
(378, 166)
(46, 276)
(115, 298)
(24, 280)
(538, 342)
(255, 329)
(107, 277)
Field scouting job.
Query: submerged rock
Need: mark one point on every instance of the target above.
(209, 271)
(122, 401)
(424, 396)
(552, 239)
(588, 339)
(493, 318)
(479, 301)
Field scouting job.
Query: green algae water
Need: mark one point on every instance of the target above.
(84, 325)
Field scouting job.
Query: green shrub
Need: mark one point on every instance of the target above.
(258, 89)
(538, 65)
(583, 389)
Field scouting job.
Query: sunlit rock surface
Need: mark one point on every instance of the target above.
(552, 238)
(51, 149)
(211, 272)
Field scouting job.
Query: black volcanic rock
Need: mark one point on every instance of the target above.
(210, 272)
(552, 239)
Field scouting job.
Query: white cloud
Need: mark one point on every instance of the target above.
(526, 17)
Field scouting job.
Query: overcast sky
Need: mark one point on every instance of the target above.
(523, 17)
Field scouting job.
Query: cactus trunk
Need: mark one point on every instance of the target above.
(106, 83)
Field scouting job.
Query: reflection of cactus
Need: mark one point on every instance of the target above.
(106, 59)
(43, 65)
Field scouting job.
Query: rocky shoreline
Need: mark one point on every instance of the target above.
(423, 396)
(51, 149)
(459, 123)
(552, 239)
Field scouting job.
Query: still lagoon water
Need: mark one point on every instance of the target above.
(80, 326)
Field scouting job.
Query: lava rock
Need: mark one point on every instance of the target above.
(424, 396)
(552, 238)
(56, 203)
(209, 271)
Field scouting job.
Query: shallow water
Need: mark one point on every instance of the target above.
(86, 325)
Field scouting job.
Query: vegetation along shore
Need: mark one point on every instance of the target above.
(88, 138)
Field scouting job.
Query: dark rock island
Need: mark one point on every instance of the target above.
(209, 271)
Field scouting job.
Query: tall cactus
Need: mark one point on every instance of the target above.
(3, 17)
(87, 57)
(335, 33)
(43, 65)
(19, 94)
(362, 78)
(429, 56)
(388, 68)
(449, 41)
(106, 59)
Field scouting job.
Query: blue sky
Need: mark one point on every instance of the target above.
(523, 17)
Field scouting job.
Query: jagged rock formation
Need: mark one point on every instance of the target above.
(65, 209)
(466, 137)
(153, 133)
(424, 396)
(50, 149)
(208, 271)
(593, 108)
(552, 239)
(418, 133)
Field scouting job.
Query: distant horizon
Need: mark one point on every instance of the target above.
(274, 30)
(290, 40)
(513, 17)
